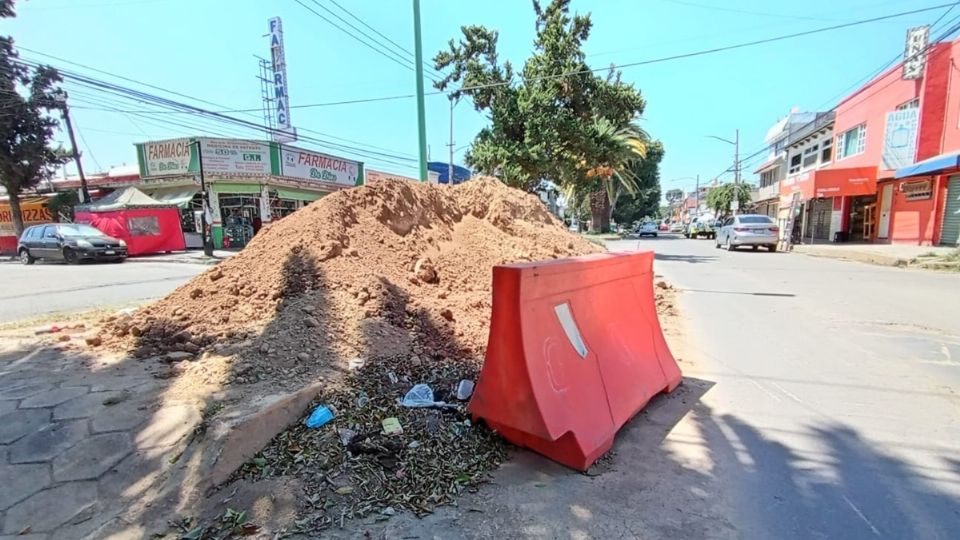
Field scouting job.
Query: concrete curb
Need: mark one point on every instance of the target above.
(852, 255)
(205, 261)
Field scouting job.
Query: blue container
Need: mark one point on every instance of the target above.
(320, 416)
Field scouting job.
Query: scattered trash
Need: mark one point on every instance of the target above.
(345, 490)
(388, 511)
(320, 416)
(393, 377)
(391, 426)
(355, 363)
(421, 395)
(413, 445)
(362, 399)
(464, 389)
(346, 436)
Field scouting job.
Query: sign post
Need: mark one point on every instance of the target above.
(285, 131)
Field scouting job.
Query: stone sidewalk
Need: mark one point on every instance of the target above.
(82, 440)
(880, 254)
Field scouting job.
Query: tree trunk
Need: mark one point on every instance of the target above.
(599, 212)
(16, 213)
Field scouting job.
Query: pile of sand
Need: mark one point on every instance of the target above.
(396, 268)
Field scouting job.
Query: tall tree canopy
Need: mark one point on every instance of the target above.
(719, 199)
(645, 199)
(556, 120)
(26, 127)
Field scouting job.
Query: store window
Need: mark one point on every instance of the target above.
(143, 226)
(852, 142)
(768, 178)
(826, 151)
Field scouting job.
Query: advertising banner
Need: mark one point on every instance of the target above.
(900, 138)
(372, 176)
(235, 156)
(33, 212)
(317, 167)
(281, 98)
(165, 158)
(914, 54)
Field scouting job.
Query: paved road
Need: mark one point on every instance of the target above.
(28, 291)
(835, 405)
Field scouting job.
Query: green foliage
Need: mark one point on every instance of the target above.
(26, 128)
(556, 119)
(720, 198)
(644, 200)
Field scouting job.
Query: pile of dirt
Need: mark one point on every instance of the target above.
(392, 269)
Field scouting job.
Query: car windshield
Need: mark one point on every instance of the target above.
(755, 219)
(80, 230)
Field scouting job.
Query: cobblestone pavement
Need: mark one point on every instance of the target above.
(81, 441)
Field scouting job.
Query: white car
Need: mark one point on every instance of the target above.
(752, 230)
(648, 229)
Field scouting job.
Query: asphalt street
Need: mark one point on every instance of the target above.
(834, 406)
(29, 291)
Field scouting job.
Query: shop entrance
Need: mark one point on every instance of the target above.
(818, 220)
(862, 225)
(241, 218)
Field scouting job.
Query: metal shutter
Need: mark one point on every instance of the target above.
(950, 235)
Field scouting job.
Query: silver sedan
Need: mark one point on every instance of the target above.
(752, 230)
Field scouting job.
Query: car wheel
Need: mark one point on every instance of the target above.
(70, 256)
(118, 261)
(716, 244)
(772, 248)
(654, 235)
(756, 248)
(728, 245)
(25, 257)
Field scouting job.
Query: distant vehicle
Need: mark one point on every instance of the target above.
(664, 226)
(676, 227)
(701, 227)
(70, 242)
(752, 230)
(647, 229)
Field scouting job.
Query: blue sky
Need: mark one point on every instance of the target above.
(205, 49)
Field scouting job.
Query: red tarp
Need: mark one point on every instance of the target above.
(145, 230)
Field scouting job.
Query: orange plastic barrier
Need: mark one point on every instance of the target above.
(575, 350)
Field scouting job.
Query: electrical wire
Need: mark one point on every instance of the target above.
(386, 53)
(412, 57)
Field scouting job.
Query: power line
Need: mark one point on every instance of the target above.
(374, 30)
(385, 52)
(746, 12)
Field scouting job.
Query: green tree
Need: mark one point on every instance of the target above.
(556, 120)
(644, 201)
(720, 198)
(674, 196)
(26, 127)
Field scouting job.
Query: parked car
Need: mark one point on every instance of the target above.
(677, 227)
(647, 229)
(70, 242)
(752, 230)
(664, 226)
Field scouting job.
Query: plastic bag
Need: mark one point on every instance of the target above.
(421, 395)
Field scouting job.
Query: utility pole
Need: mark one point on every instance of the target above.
(450, 166)
(698, 194)
(204, 237)
(736, 170)
(421, 118)
(84, 191)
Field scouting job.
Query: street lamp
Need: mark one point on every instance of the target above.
(736, 165)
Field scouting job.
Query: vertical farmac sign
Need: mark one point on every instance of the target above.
(915, 52)
(281, 98)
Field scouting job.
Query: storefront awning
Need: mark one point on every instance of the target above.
(177, 196)
(944, 163)
(845, 182)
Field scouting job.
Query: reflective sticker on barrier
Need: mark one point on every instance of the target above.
(570, 328)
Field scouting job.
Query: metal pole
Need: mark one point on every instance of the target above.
(205, 238)
(450, 167)
(736, 169)
(698, 194)
(84, 191)
(421, 118)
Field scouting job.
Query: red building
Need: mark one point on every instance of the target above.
(895, 146)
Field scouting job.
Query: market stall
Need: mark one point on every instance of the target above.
(144, 223)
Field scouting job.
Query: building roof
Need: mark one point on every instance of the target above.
(129, 197)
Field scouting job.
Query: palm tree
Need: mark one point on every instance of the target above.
(616, 149)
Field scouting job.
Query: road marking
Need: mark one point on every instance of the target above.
(26, 358)
(769, 393)
(946, 352)
(863, 517)
(789, 394)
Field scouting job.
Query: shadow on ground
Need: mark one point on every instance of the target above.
(693, 259)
